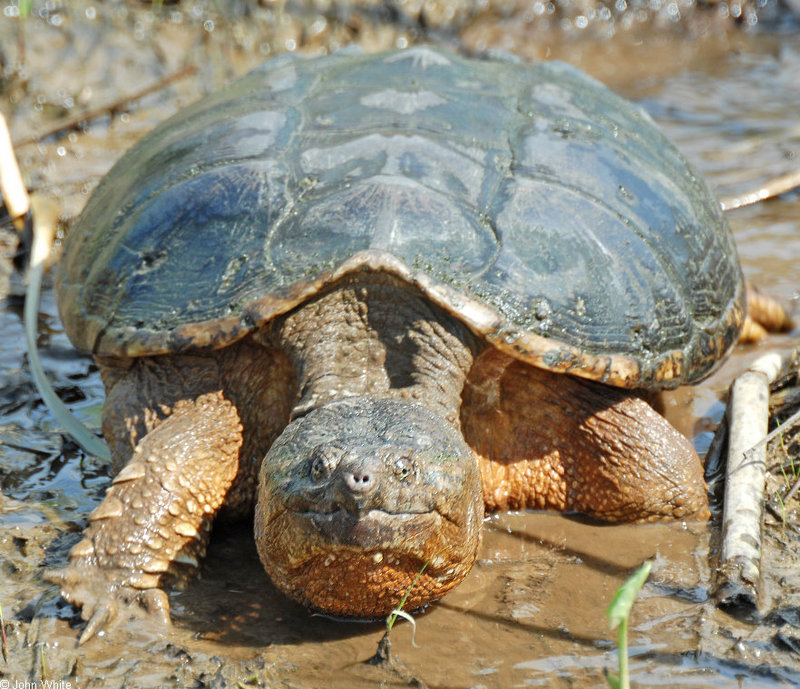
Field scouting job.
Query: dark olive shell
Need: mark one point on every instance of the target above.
(551, 216)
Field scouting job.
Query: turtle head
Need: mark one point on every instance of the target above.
(357, 497)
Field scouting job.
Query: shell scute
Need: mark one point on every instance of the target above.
(551, 216)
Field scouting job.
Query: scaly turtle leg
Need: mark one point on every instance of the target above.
(153, 525)
(550, 441)
(764, 315)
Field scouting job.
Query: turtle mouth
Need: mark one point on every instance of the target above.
(374, 528)
(362, 564)
(364, 567)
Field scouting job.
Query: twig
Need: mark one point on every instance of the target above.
(786, 425)
(748, 414)
(3, 631)
(793, 491)
(73, 122)
(771, 188)
(793, 419)
(15, 196)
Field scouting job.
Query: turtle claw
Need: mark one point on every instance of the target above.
(105, 612)
(153, 602)
(156, 603)
(65, 577)
(103, 594)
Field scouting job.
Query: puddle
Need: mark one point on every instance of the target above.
(532, 611)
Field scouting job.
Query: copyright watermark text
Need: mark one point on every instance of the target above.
(6, 683)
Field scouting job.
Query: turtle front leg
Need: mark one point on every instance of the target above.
(550, 441)
(153, 526)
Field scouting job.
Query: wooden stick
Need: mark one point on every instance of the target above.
(739, 570)
(769, 189)
(72, 122)
(15, 195)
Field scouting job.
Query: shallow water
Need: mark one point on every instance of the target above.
(532, 611)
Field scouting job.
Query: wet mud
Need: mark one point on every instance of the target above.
(723, 85)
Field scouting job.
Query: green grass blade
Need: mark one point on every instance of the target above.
(618, 613)
(621, 604)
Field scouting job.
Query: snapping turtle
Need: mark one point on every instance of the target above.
(344, 292)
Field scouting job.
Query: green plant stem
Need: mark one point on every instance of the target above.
(43, 232)
(392, 618)
(86, 439)
(618, 613)
(622, 643)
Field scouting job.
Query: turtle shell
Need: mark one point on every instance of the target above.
(551, 216)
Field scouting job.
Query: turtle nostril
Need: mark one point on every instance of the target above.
(359, 481)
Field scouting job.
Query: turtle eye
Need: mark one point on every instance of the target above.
(324, 459)
(402, 466)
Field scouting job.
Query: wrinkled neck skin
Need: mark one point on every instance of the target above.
(371, 483)
(375, 336)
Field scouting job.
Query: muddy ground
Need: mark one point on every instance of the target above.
(723, 79)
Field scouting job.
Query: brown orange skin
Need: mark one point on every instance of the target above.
(388, 429)
(547, 441)
(380, 490)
